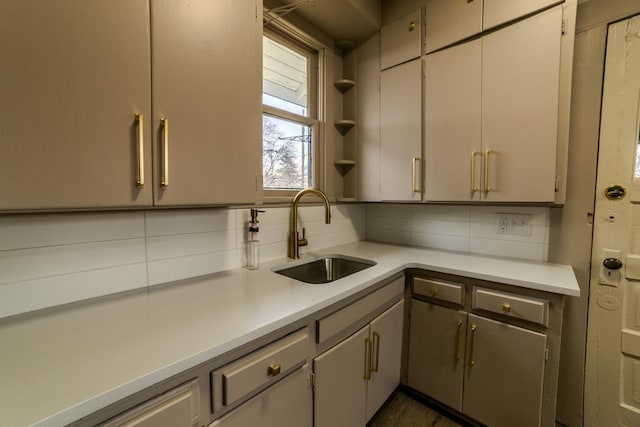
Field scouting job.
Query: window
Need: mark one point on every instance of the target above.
(289, 120)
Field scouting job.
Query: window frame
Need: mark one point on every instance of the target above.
(315, 60)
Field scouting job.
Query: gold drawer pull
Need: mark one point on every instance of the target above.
(367, 358)
(474, 186)
(458, 335)
(376, 345)
(273, 370)
(472, 362)
(487, 186)
(164, 168)
(140, 152)
(434, 291)
(506, 308)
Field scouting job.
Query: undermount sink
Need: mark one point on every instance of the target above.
(325, 269)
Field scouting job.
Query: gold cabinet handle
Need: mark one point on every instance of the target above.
(164, 174)
(506, 308)
(140, 151)
(487, 154)
(273, 370)
(458, 336)
(367, 358)
(473, 335)
(414, 161)
(474, 185)
(376, 345)
(412, 26)
(434, 291)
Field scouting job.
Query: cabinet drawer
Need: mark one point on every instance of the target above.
(255, 370)
(179, 407)
(341, 319)
(445, 291)
(512, 305)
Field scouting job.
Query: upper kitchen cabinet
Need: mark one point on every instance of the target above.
(520, 88)
(491, 118)
(448, 21)
(453, 139)
(74, 77)
(498, 12)
(207, 102)
(401, 41)
(401, 132)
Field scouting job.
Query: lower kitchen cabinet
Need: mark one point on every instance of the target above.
(354, 378)
(491, 371)
(504, 373)
(436, 365)
(178, 407)
(287, 403)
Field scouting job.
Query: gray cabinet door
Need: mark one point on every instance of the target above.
(453, 145)
(436, 352)
(73, 76)
(449, 21)
(401, 132)
(386, 336)
(340, 387)
(504, 373)
(207, 83)
(520, 83)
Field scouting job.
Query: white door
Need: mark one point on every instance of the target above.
(612, 384)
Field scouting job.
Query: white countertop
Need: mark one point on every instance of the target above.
(60, 365)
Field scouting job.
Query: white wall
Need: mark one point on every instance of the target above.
(52, 259)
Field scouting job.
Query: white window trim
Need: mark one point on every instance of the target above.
(273, 196)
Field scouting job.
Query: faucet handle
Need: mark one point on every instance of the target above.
(303, 241)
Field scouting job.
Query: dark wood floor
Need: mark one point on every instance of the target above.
(403, 411)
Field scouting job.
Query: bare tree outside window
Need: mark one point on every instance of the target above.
(283, 157)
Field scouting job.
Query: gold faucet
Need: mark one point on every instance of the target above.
(294, 241)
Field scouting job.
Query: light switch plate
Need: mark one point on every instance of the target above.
(609, 277)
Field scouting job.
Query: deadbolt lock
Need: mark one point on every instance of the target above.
(615, 192)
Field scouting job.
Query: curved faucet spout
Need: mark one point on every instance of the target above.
(294, 241)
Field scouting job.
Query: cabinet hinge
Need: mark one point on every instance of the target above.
(546, 354)
(565, 24)
(555, 185)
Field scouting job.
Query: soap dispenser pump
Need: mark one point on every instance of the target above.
(253, 243)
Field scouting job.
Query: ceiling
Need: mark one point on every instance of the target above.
(353, 20)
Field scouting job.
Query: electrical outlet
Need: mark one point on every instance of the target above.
(513, 224)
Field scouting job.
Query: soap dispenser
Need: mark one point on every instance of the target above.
(253, 243)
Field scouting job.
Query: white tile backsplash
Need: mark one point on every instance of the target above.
(459, 228)
(52, 259)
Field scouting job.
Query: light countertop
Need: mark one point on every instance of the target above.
(60, 365)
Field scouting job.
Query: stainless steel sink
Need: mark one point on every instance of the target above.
(326, 269)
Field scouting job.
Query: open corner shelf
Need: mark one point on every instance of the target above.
(344, 126)
(343, 85)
